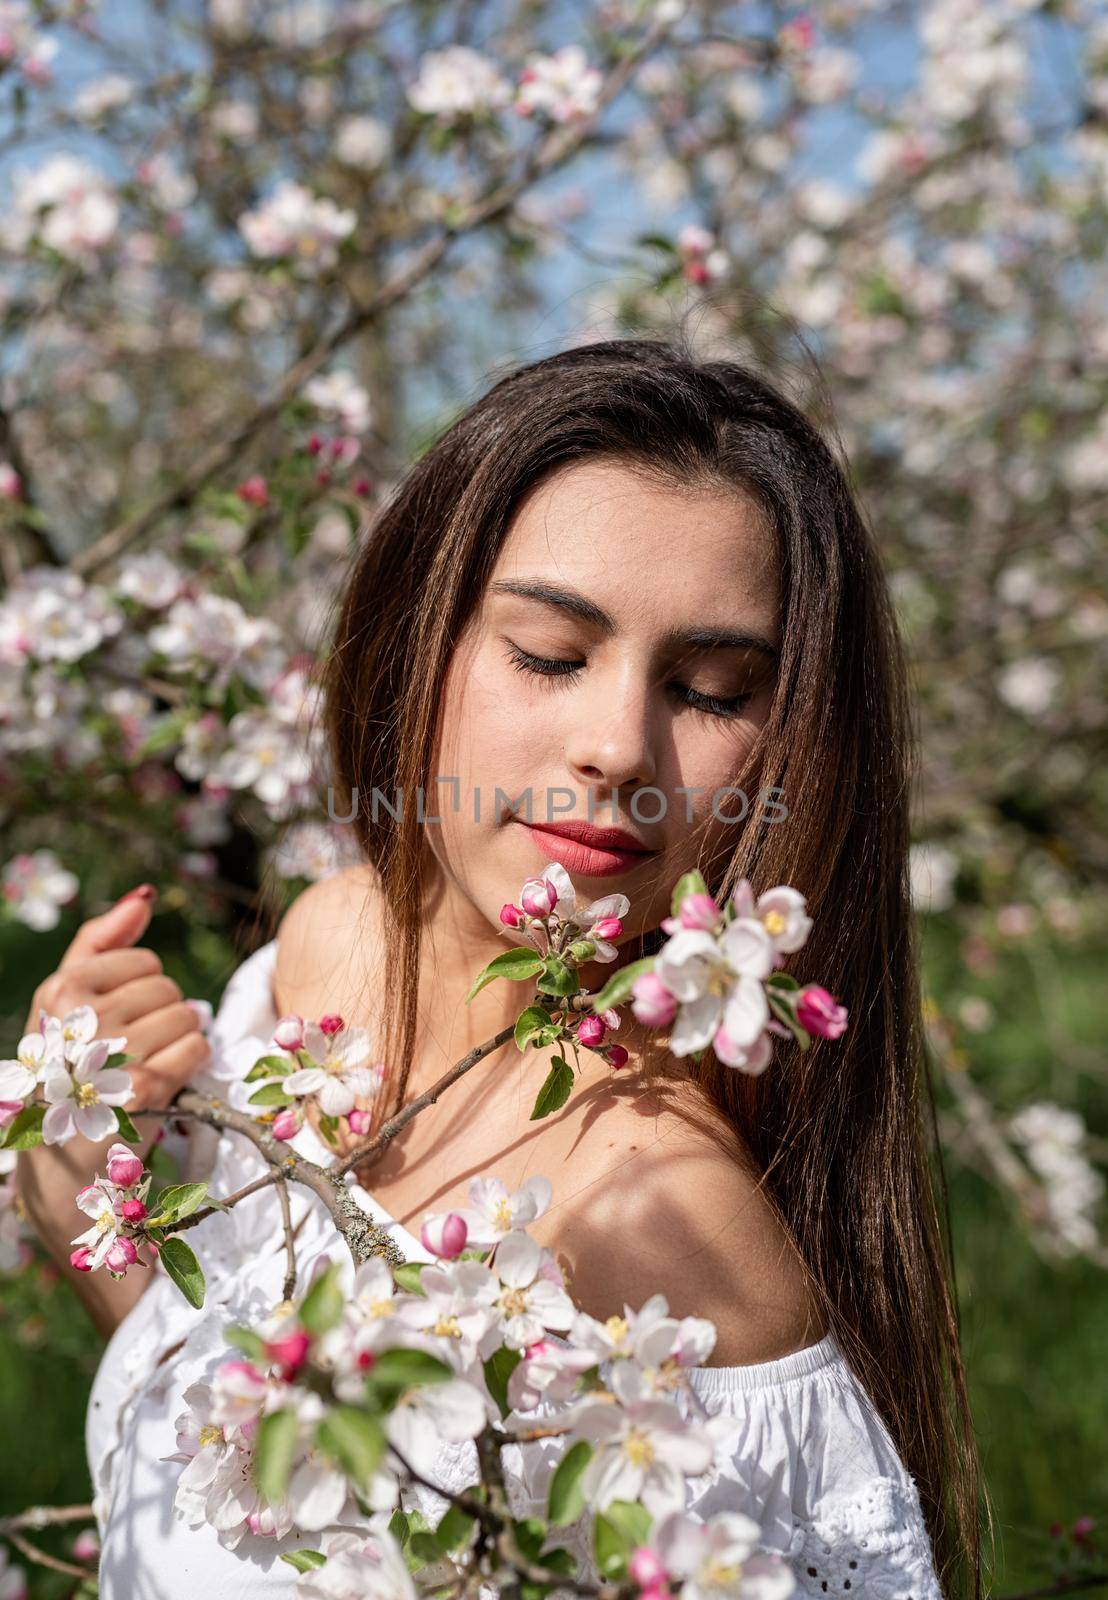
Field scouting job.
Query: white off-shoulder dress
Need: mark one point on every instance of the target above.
(805, 1452)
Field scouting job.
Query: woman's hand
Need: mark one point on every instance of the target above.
(131, 995)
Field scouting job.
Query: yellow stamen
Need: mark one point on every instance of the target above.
(514, 1303)
(502, 1216)
(210, 1435)
(448, 1328)
(774, 922)
(638, 1449)
(87, 1095)
(616, 1329)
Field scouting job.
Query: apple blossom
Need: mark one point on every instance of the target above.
(123, 1166)
(81, 1099)
(494, 1212)
(338, 1076)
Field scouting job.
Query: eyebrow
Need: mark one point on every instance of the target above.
(585, 610)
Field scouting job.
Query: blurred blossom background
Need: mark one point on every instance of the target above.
(254, 256)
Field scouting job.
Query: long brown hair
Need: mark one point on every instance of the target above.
(838, 1131)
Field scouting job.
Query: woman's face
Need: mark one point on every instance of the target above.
(588, 700)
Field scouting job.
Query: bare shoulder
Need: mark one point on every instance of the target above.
(324, 943)
(657, 1206)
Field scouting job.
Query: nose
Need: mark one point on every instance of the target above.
(610, 739)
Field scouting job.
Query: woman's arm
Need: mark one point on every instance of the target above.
(131, 995)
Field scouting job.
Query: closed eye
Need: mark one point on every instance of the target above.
(545, 667)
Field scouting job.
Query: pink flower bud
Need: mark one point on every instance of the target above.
(289, 1033)
(133, 1211)
(591, 1030)
(607, 928)
(818, 1012)
(86, 1546)
(511, 916)
(645, 1568)
(617, 1056)
(1082, 1528)
(314, 445)
(122, 1255)
(363, 487)
(359, 1121)
(253, 490)
(287, 1123)
(652, 1002)
(444, 1235)
(539, 897)
(9, 1110)
(81, 1258)
(124, 1166)
(331, 1024)
(699, 911)
(289, 1353)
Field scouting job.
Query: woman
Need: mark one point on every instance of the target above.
(626, 590)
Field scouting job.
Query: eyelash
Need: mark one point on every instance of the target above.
(541, 666)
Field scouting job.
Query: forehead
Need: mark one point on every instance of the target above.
(640, 544)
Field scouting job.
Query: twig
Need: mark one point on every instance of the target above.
(55, 1563)
(289, 1287)
(363, 1237)
(44, 1517)
(546, 156)
(390, 1129)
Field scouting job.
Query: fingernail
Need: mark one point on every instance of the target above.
(145, 891)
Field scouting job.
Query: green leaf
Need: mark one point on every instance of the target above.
(498, 1369)
(25, 1132)
(557, 978)
(250, 1343)
(423, 1547)
(322, 1305)
(269, 1067)
(277, 1438)
(270, 1094)
(399, 1527)
(555, 1091)
(183, 1267)
(406, 1367)
(127, 1129)
(517, 964)
(610, 1548)
(632, 1520)
(355, 1440)
(179, 1201)
(785, 1013)
(119, 1058)
(781, 980)
(304, 1560)
(455, 1529)
(534, 1026)
(566, 1499)
(618, 987)
(688, 883)
(165, 734)
(408, 1277)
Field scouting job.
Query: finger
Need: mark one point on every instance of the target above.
(169, 1070)
(160, 1029)
(100, 974)
(137, 999)
(125, 923)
